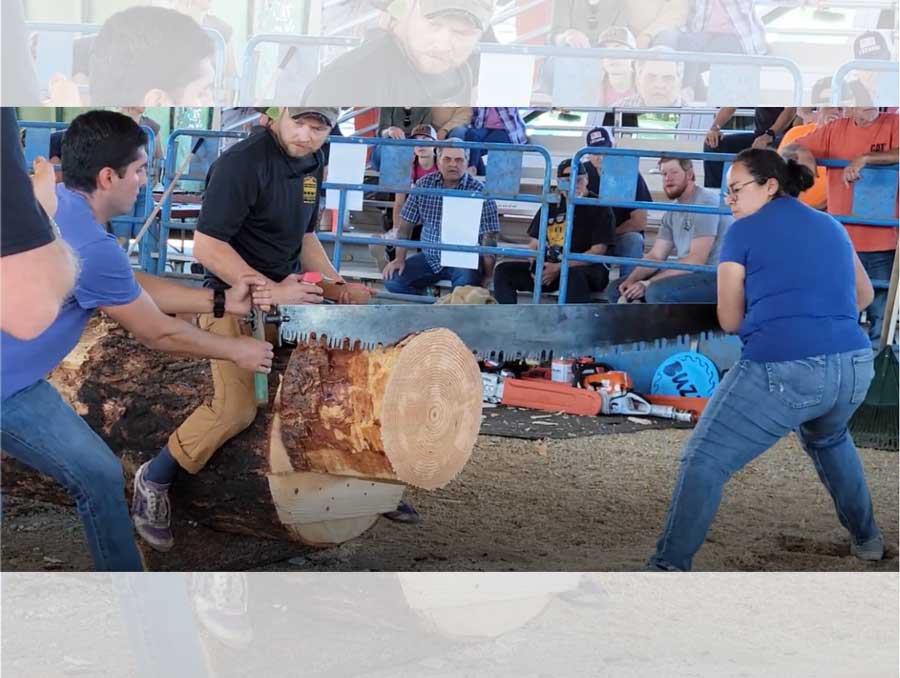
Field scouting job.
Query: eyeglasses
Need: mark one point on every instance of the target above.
(732, 192)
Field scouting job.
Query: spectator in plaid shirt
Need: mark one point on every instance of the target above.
(491, 126)
(729, 26)
(413, 275)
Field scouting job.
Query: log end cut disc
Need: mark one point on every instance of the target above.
(431, 412)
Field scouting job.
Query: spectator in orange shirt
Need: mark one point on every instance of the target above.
(817, 196)
(813, 118)
(864, 137)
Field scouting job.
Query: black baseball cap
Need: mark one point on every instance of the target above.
(871, 45)
(599, 136)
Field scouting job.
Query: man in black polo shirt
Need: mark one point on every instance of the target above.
(592, 233)
(259, 215)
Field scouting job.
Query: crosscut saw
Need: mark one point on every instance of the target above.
(499, 332)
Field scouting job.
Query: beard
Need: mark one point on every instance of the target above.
(675, 192)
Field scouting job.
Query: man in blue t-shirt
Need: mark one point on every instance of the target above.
(104, 168)
(630, 223)
(693, 237)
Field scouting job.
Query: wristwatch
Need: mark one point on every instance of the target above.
(770, 132)
(218, 303)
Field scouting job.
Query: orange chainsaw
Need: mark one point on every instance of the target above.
(616, 390)
(600, 391)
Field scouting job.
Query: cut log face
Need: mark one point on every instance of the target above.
(409, 412)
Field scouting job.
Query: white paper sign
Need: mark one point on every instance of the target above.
(346, 165)
(506, 79)
(460, 223)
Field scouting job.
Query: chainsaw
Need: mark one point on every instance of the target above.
(602, 391)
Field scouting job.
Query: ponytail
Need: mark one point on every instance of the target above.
(763, 164)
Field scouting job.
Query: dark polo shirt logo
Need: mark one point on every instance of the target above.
(310, 189)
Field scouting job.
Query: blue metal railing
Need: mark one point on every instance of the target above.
(837, 80)
(123, 226)
(93, 29)
(248, 95)
(568, 256)
(713, 58)
(545, 198)
(248, 79)
(157, 243)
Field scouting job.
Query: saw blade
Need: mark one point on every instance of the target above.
(529, 331)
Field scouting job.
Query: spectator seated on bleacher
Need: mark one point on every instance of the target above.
(451, 121)
(424, 163)
(811, 119)
(617, 82)
(593, 232)
(630, 223)
(397, 123)
(618, 74)
(864, 137)
(659, 84)
(414, 274)
(722, 26)
(152, 56)
(695, 239)
(769, 125)
(491, 126)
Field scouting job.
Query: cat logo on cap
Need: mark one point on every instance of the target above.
(310, 189)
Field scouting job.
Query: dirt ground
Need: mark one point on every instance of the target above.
(592, 503)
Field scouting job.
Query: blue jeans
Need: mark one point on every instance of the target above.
(458, 133)
(878, 266)
(40, 430)
(691, 288)
(417, 275)
(488, 136)
(629, 245)
(755, 406)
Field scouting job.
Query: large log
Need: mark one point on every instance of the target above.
(348, 430)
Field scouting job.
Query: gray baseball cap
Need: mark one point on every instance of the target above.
(479, 11)
(329, 115)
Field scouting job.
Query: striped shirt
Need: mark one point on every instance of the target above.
(428, 209)
(512, 123)
(748, 26)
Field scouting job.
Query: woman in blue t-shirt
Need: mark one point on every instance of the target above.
(790, 283)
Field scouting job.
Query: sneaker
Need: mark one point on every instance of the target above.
(404, 513)
(220, 603)
(868, 550)
(151, 511)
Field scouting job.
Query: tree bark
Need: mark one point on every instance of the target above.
(348, 430)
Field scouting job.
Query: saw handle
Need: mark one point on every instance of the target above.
(260, 380)
(333, 289)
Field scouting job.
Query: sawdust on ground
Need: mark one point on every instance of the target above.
(585, 504)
